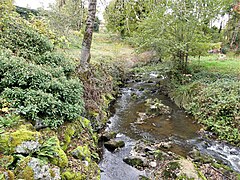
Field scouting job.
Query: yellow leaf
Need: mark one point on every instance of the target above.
(4, 109)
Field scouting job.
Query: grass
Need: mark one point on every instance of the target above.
(107, 48)
(212, 63)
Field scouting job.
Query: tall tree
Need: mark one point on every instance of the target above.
(87, 38)
(176, 29)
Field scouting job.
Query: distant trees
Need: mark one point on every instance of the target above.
(122, 16)
(233, 27)
(174, 29)
(67, 15)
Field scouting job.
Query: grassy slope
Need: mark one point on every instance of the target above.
(105, 48)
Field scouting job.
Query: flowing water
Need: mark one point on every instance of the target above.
(177, 127)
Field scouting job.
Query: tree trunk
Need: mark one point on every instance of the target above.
(87, 39)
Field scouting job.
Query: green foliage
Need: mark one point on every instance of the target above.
(183, 94)
(213, 99)
(8, 120)
(67, 15)
(123, 16)
(56, 60)
(23, 40)
(217, 106)
(35, 81)
(37, 91)
(175, 30)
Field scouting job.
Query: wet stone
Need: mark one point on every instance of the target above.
(107, 136)
(135, 161)
(112, 145)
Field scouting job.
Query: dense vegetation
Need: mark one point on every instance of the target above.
(36, 82)
(44, 100)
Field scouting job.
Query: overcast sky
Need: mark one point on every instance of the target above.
(34, 4)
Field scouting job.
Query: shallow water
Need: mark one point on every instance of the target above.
(177, 127)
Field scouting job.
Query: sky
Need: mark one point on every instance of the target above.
(34, 4)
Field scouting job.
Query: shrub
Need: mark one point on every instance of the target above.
(22, 39)
(40, 91)
(217, 106)
(54, 59)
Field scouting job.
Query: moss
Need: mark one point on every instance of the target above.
(82, 152)
(107, 99)
(2, 176)
(68, 134)
(28, 173)
(11, 175)
(68, 175)
(221, 166)
(61, 160)
(52, 173)
(6, 161)
(9, 141)
(23, 171)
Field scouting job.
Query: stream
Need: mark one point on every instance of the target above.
(176, 127)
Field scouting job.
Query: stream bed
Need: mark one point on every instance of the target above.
(176, 127)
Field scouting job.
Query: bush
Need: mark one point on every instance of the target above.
(217, 106)
(22, 39)
(55, 60)
(40, 91)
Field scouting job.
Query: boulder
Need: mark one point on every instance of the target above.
(23, 140)
(33, 168)
(112, 145)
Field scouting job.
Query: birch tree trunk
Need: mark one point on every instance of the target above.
(87, 39)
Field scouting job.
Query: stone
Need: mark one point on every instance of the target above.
(39, 124)
(166, 145)
(81, 152)
(149, 149)
(153, 164)
(107, 136)
(112, 145)
(135, 161)
(33, 168)
(22, 140)
(28, 147)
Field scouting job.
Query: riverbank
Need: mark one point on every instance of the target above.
(210, 92)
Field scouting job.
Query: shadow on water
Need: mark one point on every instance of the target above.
(177, 127)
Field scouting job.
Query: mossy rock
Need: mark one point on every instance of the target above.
(51, 149)
(112, 145)
(9, 141)
(72, 130)
(82, 152)
(135, 161)
(30, 168)
(107, 136)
